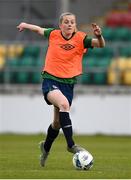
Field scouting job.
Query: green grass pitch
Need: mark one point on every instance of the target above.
(19, 158)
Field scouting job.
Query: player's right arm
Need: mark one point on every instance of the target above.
(31, 27)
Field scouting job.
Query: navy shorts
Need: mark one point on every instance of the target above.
(50, 84)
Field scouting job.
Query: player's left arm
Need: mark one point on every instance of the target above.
(98, 41)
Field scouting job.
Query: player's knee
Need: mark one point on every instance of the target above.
(64, 106)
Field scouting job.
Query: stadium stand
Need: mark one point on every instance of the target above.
(107, 66)
(110, 65)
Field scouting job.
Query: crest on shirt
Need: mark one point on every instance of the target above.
(67, 47)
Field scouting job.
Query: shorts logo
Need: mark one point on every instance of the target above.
(67, 47)
(54, 87)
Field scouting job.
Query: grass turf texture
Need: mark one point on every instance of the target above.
(19, 158)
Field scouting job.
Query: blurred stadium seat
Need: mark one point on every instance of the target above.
(31, 51)
(125, 51)
(117, 33)
(22, 77)
(127, 19)
(100, 77)
(108, 33)
(117, 70)
(35, 78)
(114, 19)
(3, 49)
(26, 61)
(2, 62)
(1, 76)
(127, 73)
(20, 60)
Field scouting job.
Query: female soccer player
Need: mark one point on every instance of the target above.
(63, 64)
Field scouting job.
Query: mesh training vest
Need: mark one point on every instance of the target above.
(64, 57)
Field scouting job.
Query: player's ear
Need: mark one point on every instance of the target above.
(76, 29)
(60, 25)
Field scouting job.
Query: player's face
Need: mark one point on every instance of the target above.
(68, 24)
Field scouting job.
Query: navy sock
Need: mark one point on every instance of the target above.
(51, 136)
(66, 126)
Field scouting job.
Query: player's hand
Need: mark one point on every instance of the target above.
(21, 26)
(96, 29)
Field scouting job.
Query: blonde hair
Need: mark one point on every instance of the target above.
(65, 14)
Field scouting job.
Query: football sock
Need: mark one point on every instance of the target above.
(51, 136)
(66, 126)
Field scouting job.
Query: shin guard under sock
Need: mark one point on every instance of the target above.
(66, 126)
(51, 136)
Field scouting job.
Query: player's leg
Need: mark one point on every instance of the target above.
(62, 101)
(52, 133)
(56, 122)
(57, 98)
